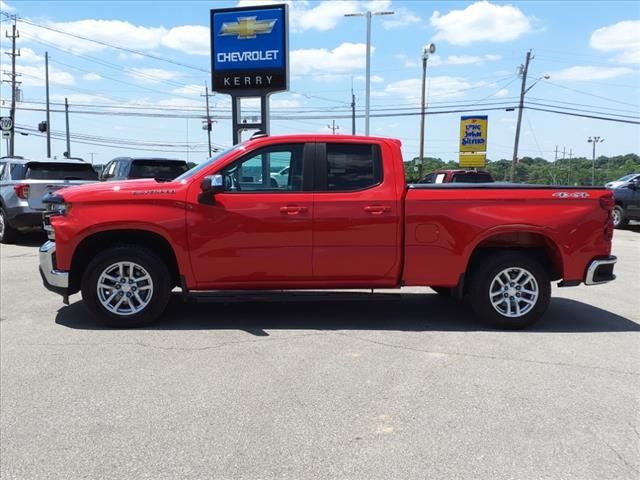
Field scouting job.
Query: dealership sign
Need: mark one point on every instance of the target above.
(473, 141)
(249, 49)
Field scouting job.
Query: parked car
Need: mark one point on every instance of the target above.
(627, 203)
(623, 180)
(125, 168)
(345, 220)
(458, 176)
(24, 182)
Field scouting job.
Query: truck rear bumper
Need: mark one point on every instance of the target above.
(600, 271)
(54, 280)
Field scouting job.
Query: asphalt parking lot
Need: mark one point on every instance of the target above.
(322, 386)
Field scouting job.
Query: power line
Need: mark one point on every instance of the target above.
(585, 116)
(109, 45)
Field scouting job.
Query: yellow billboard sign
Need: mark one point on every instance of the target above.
(473, 160)
(473, 140)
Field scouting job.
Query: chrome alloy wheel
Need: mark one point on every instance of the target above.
(514, 292)
(125, 288)
(2, 225)
(615, 214)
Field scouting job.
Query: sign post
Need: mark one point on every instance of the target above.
(473, 141)
(250, 58)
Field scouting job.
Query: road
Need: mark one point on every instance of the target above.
(321, 386)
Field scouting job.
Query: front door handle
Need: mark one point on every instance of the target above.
(376, 209)
(293, 209)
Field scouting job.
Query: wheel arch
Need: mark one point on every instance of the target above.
(536, 244)
(97, 242)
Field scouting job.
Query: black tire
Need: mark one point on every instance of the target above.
(620, 220)
(482, 278)
(443, 291)
(145, 258)
(8, 234)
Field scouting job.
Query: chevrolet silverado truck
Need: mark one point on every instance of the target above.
(344, 219)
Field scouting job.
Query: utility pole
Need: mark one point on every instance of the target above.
(431, 48)
(92, 154)
(569, 167)
(66, 116)
(46, 77)
(353, 112)
(333, 127)
(368, 14)
(555, 156)
(594, 140)
(523, 90)
(209, 123)
(12, 113)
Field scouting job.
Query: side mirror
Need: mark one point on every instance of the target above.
(210, 185)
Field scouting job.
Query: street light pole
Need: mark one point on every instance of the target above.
(594, 140)
(431, 48)
(368, 14)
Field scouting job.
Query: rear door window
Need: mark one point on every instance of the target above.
(60, 171)
(350, 167)
(166, 170)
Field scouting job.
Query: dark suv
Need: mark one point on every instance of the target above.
(126, 168)
(627, 197)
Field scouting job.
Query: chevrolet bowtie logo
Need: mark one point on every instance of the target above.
(246, 27)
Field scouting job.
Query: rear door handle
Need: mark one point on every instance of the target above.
(292, 209)
(376, 209)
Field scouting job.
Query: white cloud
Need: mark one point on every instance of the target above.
(153, 75)
(502, 93)
(344, 58)
(81, 98)
(323, 16)
(5, 7)
(117, 32)
(34, 76)
(193, 89)
(401, 18)
(480, 22)
(191, 39)
(374, 78)
(580, 73)
(622, 37)
(441, 86)
(437, 61)
(91, 77)
(129, 56)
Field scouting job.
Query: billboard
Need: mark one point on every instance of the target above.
(473, 141)
(249, 49)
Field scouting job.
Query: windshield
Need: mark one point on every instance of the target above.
(626, 178)
(209, 162)
(164, 169)
(60, 171)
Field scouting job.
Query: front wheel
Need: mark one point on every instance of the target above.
(126, 286)
(510, 290)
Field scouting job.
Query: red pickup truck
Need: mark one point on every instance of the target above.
(344, 218)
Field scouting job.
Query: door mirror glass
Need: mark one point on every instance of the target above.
(213, 184)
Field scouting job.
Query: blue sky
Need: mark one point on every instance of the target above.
(590, 50)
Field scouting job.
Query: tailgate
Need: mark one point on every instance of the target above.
(40, 188)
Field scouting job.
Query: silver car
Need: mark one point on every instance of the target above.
(24, 182)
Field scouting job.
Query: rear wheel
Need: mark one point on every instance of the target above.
(510, 290)
(620, 220)
(8, 234)
(126, 286)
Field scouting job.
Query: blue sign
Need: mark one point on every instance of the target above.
(249, 48)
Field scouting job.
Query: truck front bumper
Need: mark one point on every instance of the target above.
(600, 270)
(54, 280)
